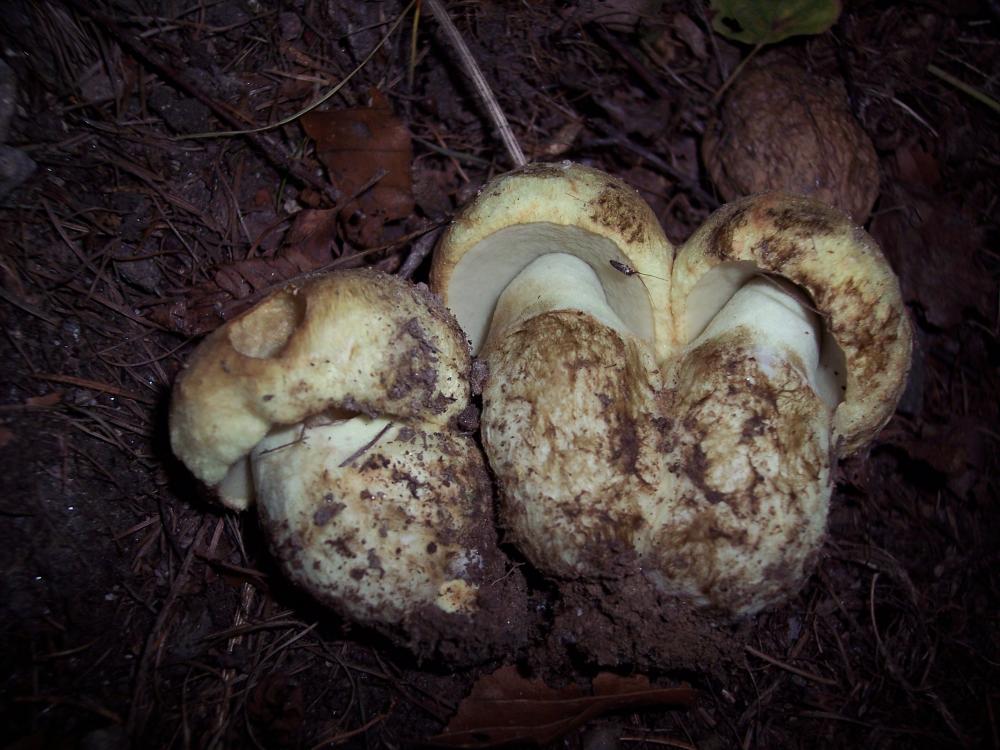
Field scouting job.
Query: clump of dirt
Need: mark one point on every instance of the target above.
(628, 622)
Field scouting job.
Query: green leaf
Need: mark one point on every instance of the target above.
(770, 21)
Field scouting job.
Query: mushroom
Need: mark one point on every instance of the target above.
(866, 335)
(751, 453)
(529, 269)
(337, 407)
(677, 417)
(794, 347)
(783, 127)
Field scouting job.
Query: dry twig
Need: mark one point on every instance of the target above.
(479, 81)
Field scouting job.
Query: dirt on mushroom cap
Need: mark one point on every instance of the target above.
(351, 392)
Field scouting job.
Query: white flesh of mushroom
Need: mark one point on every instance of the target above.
(717, 288)
(777, 320)
(556, 281)
(490, 267)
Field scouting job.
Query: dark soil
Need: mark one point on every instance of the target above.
(135, 613)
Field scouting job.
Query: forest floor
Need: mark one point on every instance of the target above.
(135, 613)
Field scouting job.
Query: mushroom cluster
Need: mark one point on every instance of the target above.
(671, 415)
(674, 413)
(341, 408)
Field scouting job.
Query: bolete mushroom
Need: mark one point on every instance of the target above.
(783, 127)
(674, 416)
(529, 269)
(849, 285)
(793, 349)
(338, 407)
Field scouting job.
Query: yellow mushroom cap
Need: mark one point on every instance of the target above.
(357, 341)
(554, 208)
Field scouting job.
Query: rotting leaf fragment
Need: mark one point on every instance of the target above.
(359, 147)
(505, 708)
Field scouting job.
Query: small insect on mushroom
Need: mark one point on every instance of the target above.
(627, 270)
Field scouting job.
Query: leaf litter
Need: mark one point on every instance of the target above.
(505, 708)
(898, 620)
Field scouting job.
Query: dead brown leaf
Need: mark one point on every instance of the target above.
(276, 709)
(563, 139)
(505, 708)
(367, 151)
(48, 399)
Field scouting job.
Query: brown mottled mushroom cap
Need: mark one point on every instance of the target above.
(356, 341)
(781, 127)
(336, 406)
(865, 356)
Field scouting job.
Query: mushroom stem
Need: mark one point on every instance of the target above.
(565, 418)
(569, 433)
(359, 513)
(532, 270)
(752, 446)
(777, 317)
(556, 281)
